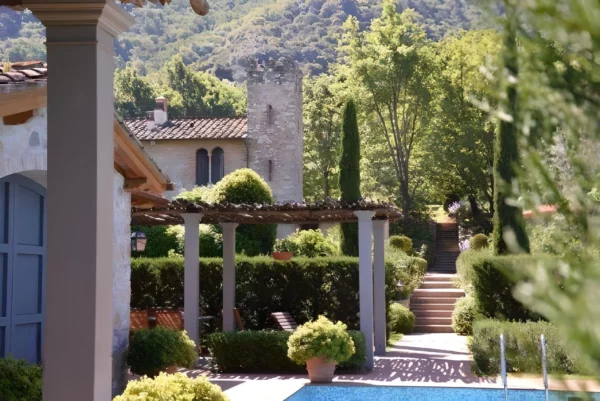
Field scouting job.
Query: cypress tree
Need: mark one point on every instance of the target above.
(350, 175)
(506, 154)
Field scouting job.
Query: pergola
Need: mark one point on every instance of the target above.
(373, 222)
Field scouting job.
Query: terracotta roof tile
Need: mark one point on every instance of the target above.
(191, 128)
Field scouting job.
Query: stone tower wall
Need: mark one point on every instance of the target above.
(275, 131)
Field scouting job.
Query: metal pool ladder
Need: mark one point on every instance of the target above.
(503, 366)
(544, 365)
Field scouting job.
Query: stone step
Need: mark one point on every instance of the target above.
(439, 277)
(430, 285)
(442, 293)
(433, 329)
(432, 312)
(433, 300)
(419, 307)
(433, 321)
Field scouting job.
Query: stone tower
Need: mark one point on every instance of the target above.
(275, 131)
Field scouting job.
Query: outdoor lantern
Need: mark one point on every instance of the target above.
(138, 241)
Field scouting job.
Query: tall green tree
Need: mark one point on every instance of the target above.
(350, 175)
(322, 136)
(393, 66)
(134, 95)
(461, 148)
(509, 225)
(190, 93)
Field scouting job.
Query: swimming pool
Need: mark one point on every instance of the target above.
(380, 393)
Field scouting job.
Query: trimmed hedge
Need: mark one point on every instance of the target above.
(306, 288)
(153, 350)
(479, 241)
(20, 381)
(481, 275)
(267, 352)
(401, 242)
(464, 315)
(401, 319)
(522, 348)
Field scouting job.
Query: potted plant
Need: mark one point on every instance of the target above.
(321, 345)
(283, 249)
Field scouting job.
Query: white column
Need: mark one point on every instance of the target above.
(77, 342)
(191, 279)
(209, 168)
(379, 234)
(228, 275)
(365, 278)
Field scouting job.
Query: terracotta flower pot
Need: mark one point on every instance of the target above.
(320, 370)
(171, 370)
(282, 255)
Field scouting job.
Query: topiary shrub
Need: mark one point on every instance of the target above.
(463, 316)
(172, 387)
(400, 319)
(312, 243)
(246, 186)
(153, 351)
(479, 241)
(20, 381)
(401, 242)
(321, 338)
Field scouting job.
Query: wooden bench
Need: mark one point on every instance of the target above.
(170, 318)
(284, 321)
(138, 319)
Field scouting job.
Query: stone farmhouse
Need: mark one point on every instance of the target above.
(24, 190)
(269, 140)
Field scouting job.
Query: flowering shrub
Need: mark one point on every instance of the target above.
(321, 338)
(177, 387)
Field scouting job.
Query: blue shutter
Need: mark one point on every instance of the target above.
(22, 267)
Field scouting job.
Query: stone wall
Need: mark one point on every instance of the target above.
(275, 131)
(121, 282)
(177, 158)
(24, 147)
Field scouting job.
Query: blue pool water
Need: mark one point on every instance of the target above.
(366, 393)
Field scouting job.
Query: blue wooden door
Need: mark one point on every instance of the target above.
(22, 267)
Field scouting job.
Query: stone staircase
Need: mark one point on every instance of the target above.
(446, 248)
(434, 301)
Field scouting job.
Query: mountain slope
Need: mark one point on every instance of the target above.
(307, 30)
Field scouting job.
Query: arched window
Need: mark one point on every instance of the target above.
(202, 167)
(217, 165)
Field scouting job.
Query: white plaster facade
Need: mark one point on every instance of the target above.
(177, 158)
(24, 147)
(23, 150)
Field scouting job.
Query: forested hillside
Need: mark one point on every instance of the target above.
(307, 30)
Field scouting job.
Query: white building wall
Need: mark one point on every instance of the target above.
(121, 282)
(24, 147)
(177, 158)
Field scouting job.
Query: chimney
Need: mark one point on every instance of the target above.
(160, 111)
(150, 124)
